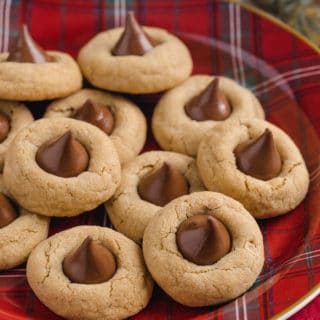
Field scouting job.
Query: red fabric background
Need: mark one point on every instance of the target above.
(67, 25)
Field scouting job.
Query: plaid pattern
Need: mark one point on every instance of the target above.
(224, 39)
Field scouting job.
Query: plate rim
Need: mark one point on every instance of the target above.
(304, 300)
(315, 291)
(298, 304)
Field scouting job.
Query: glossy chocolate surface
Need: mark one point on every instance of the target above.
(96, 114)
(27, 50)
(4, 127)
(259, 158)
(90, 263)
(162, 185)
(210, 104)
(203, 239)
(7, 211)
(133, 40)
(64, 157)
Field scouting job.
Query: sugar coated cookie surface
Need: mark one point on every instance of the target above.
(200, 285)
(126, 293)
(128, 211)
(173, 128)
(18, 116)
(36, 82)
(39, 190)
(129, 129)
(161, 68)
(20, 234)
(218, 168)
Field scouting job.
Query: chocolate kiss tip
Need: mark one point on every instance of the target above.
(203, 239)
(210, 104)
(162, 185)
(133, 40)
(90, 263)
(4, 127)
(27, 50)
(7, 211)
(96, 114)
(65, 157)
(259, 158)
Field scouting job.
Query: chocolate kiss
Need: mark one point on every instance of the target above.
(162, 185)
(7, 211)
(26, 50)
(4, 127)
(96, 114)
(210, 104)
(203, 239)
(65, 157)
(90, 263)
(133, 41)
(259, 158)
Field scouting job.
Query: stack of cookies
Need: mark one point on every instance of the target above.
(192, 206)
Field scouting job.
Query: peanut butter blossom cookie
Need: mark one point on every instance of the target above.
(20, 231)
(185, 113)
(29, 73)
(13, 117)
(148, 183)
(61, 167)
(255, 163)
(117, 117)
(203, 249)
(90, 272)
(135, 59)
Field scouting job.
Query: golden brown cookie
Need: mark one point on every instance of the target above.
(40, 191)
(193, 284)
(122, 296)
(129, 130)
(27, 72)
(175, 131)
(263, 198)
(18, 117)
(35, 82)
(130, 213)
(161, 68)
(23, 232)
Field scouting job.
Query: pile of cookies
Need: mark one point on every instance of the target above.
(192, 206)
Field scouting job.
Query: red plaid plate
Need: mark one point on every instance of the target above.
(224, 39)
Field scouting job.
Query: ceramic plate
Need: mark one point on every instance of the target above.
(282, 69)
